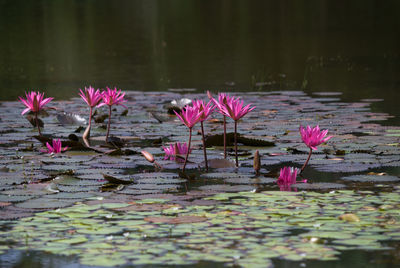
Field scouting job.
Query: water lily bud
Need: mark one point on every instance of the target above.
(209, 94)
(257, 162)
(149, 157)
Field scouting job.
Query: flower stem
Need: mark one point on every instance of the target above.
(187, 154)
(224, 137)
(204, 146)
(87, 131)
(236, 154)
(308, 159)
(37, 123)
(109, 122)
(90, 120)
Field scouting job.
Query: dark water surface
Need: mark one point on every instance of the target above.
(60, 46)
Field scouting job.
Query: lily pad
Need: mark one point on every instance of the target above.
(318, 186)
(371, 178)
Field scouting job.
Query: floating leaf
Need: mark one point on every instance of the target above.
(371, 178)
(318, 186)
(176, 220)
(44, 203)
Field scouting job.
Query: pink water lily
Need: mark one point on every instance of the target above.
(222, 99)
(34, 102)
(174, 150)
(234, 109)
(287, 177)
(112, 97)
(206, 110)
(312, 137)
(55, 148)
(189, 116)
(92, 98)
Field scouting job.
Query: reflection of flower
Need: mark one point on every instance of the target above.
(175, 149)
(313, 137)
(287, 177)
(56, 148)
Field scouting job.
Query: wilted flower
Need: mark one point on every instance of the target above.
(313, 137)
(34, 102)
(56, 148)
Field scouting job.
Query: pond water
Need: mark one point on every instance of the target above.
(60, 46)
(311, 62)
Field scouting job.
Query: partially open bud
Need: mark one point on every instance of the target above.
(257, 162)
(149, 157)
(209, 94)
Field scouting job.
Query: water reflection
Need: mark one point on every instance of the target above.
(60, 46)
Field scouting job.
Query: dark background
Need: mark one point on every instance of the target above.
(61, 46)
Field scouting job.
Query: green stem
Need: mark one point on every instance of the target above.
(308, 159)
(109, 122)
(90, 122)
(187, 154)
(204, 146)
(236, 154)
(224, 137)
(37, 123)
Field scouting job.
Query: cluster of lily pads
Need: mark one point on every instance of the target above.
(190, 115)
(156, 217)
(244, 229)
